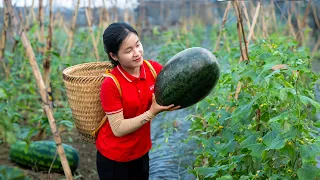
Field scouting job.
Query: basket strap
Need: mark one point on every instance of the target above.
(94, 133)
(153, 71)
(105, 118)
(115, 81)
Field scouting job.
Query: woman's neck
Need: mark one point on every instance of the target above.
(133, 71)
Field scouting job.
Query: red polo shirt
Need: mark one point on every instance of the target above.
(136, 99)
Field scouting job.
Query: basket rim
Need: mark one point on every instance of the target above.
(66, 71)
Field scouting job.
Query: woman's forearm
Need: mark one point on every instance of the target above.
(121, 126)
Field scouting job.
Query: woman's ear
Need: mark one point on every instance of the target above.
(114, 57)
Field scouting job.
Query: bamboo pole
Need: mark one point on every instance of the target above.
(33, 16)
(256, 14)
(246, 14)
(274, 17)
(314, 11)
(241, 33)
(4, 39)
(27, 24)
(291, 28)
(303, 23)
(92, 35)
(47, 61)
(42, 90)
(72, 28)
(224, 20)
(264, 26)
(40, 20)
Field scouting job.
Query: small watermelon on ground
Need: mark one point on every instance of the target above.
(39, 156)
(187, 77)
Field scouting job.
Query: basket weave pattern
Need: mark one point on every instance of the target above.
(83, 83)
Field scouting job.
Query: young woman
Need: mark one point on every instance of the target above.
(124, 141)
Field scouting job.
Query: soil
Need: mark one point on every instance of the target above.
(87, 156)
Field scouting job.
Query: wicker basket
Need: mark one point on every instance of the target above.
(82, 84)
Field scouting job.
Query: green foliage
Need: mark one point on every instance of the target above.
(177, 41)
(7, 172)
(269, 132)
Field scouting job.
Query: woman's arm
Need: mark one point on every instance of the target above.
(121, 126)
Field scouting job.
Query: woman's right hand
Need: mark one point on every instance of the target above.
(156, 108)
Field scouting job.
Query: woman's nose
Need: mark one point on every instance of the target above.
(137, 52)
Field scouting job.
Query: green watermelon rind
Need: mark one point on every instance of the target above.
(40, 154)
(197, 65)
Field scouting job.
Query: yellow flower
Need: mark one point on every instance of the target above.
(220, 127)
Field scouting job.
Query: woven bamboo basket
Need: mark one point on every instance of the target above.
(82, 84)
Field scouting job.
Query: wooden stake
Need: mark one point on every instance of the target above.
(41, 33)
(315, 15)
(47, 61)
(291, 28)
(246, 14)
(33, 15)
(274, 17)
(241, 34)
(264, 26)
(42, 90)
(72, 28)
(92, 35)
(256, 14)
(3, 40)
(224, 20)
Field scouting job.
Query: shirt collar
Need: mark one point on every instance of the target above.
(129, 77)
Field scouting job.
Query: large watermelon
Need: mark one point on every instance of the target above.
(40, 154)
(187, 77)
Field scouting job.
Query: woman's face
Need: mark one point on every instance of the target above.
(130, 54)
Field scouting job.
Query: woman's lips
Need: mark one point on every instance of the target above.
(138, 59)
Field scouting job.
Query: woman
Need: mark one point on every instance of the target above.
(124, 141)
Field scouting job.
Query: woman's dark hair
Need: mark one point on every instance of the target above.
(113, 37)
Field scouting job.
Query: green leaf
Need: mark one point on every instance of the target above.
(243, 177)
(308, 152)
(307, 172)
(283, 94)
(207, 171)
(225, 177)
(317, 124)
(279, 117)
(277, 143)
(3, 94)
(269, 137)
(250, 140)
(306, 100)
(286, 126)
(67, 123)
(256, 149)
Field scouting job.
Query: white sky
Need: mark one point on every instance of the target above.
(72, 3)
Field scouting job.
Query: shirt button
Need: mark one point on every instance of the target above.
(139, 91)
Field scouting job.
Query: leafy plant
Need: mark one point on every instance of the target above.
(270, 130)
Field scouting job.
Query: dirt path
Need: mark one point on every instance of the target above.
(87, 157)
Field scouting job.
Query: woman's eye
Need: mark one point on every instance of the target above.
(128, 51)
(138, 45)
